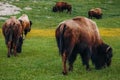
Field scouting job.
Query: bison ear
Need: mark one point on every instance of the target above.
(108, 49)
(21, 22)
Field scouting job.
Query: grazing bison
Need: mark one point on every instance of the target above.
(61, 6)
(81, 35)
(26, 23)
(12, 31)
(97, 13)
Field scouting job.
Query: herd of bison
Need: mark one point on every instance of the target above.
(79, 35)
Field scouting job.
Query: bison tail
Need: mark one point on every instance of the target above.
(62, 28)
(9, 34)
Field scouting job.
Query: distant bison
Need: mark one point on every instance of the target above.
(97, 13)
(26, 23)
(12, 31)
(81, 35)
(61, 6)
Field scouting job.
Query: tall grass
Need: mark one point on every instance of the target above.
(40, 59)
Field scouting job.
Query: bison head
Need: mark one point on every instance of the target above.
(28, 30)
(30, 26)
(54, 9)
(19, 44)
(102, 57)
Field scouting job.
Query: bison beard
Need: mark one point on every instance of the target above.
(81, 36)
(102, 56)
(19, 44)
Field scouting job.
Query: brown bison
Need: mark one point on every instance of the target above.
(26, 23)
(12, 31)
(81, 35)
(61, 6)
(97, 13)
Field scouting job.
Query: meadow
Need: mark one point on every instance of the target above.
(40, 59)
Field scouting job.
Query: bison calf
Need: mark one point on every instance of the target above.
(81, 35)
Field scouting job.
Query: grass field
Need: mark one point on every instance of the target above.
(40, 59)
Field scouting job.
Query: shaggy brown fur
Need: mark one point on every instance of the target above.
(12, 31)
(26, 23)
(78, 35)
(97, 13)
(61, 6)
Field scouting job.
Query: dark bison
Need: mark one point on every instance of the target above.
(12, 31)
(81, 35)
(97, 13)
(26, 23)
(61, 6)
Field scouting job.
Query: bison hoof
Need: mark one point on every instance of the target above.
(64, 73)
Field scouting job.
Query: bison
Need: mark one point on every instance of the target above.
(97, 13)
(12, 31)
(61, 6)
(26, 23)
(80, 35)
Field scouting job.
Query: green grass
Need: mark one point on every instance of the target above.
(40, 59)
(43, 17)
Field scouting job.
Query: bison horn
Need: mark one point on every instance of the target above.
(108, 48)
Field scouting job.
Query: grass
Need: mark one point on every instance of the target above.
(40, 59)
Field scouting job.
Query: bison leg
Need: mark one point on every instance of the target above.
(71, 60)
(64, 59)
(9, 48)
(14, 47)
(85, 58)
(69, 10)
(90, 16)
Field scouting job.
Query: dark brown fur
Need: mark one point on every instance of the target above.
(77, 35)
(97, 13)
(12, 31)
(61, 6)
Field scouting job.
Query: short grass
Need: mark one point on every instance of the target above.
(40, 59)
